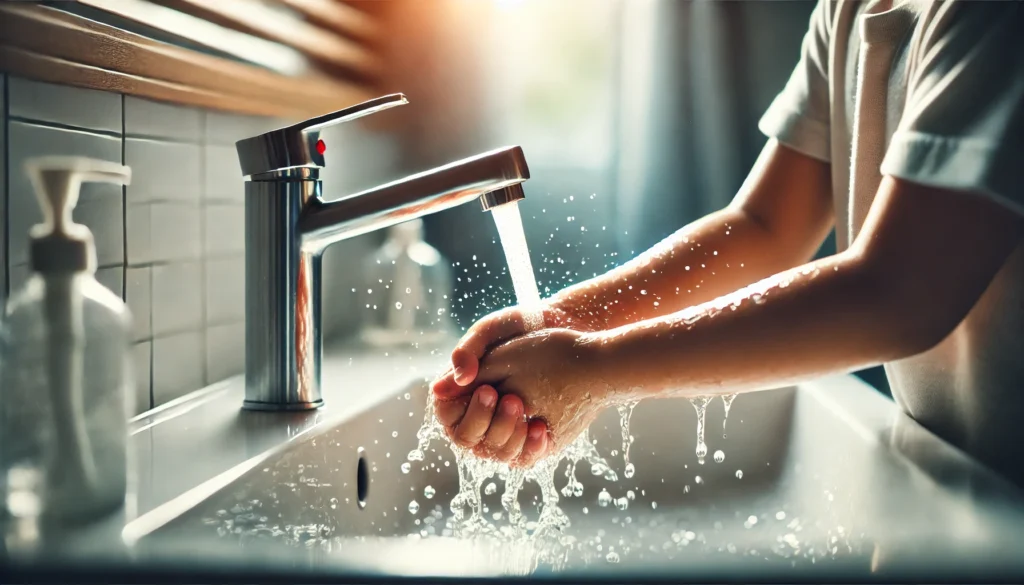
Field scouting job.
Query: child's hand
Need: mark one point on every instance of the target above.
(489, 427)
(502, 326)
(554, 376)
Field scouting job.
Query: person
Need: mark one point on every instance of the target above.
(902, 127)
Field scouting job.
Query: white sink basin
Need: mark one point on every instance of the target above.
(834, 482)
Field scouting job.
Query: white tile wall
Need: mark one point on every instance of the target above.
(222, 175)
(225, 290)
(163, 171)
(172, 243)
(225, 351)
(177, 297)
(59, 104)
(226, 129)
(139, 296)
(160, 120)
(224, 228)
(178, 362)
(163, 232)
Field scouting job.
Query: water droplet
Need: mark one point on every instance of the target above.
(739, 474)
(622, 503)
(612, 557)
(406, 467)
(719, 456)
(394, 434)
(698, 480)
(630, 470)
(780, 515)
(398, 305)
(428, 492)
(408, 290)
(334, 503)
(440, 311)
(604, 498)
(490, 488)
(415, 455)
(414, 506)
(631, 494)
(752, 520)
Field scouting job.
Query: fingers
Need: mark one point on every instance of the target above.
(507, 416)
(445, 387)
(484, 334)
(535, 446)
(450, 412)
(470, 431)
(514, 446)
(492, 429)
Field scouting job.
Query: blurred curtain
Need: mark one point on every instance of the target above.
(696, 76)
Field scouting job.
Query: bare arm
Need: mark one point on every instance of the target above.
(923, 259)
(778, 220)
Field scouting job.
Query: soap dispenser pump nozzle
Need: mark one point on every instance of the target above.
(59, 244)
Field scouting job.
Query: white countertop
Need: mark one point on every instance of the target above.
(205, 436)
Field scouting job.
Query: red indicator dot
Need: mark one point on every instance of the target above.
(320, 146)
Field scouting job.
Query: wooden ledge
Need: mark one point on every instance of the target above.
(47, 44)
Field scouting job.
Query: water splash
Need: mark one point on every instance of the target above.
(727, 403)
(473, 471)
(625, 413)
(700, 404)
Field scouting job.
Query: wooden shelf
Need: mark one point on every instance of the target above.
(256, 18)
(48, 44)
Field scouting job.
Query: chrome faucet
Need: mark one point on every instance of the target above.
(288, 225)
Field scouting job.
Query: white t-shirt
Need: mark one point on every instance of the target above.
(934, 96)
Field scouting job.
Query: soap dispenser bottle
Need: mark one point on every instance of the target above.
(410, 284)
(65, 378)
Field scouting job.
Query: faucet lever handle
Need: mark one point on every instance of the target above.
(295, 145)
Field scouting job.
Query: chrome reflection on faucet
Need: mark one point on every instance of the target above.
(288, 225)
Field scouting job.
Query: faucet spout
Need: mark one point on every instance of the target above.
(288, 225)
(323, 223)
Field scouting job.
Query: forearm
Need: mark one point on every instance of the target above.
(828, 316)
(717, 254)
(777, 220)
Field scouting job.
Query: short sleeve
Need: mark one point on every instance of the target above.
(963, 122)
(799, 116)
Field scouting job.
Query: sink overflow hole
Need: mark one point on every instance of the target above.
(362, 481)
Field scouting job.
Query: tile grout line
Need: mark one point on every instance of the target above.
(124, 217)
(122, 133)
(68, 127)
(203, 162)
(5, 191)
(124, 233)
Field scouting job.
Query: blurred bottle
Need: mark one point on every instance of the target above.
(409, 287)
(65, 378)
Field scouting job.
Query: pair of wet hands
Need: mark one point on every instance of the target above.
(477, 419)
